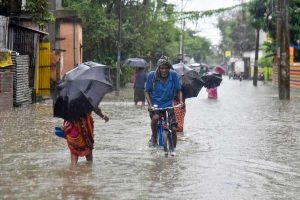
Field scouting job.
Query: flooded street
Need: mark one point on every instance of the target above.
(244, 145)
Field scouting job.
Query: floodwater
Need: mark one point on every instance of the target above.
(244, 145)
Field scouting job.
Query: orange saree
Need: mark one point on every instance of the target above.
(180, 114)
(80, 135)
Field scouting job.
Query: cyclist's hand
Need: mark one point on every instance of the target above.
(150, 108)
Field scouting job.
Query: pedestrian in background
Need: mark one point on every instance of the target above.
(140, 78)
(213, 92)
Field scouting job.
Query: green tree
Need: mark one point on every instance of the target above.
(294, 14)
(148, 30)
(147, 26)
(196, 46)
(237, 36)
(257, 10)
(39, 11)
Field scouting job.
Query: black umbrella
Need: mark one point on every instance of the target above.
(136, 62)
(212, 80)
(81, 90)
(190, 80)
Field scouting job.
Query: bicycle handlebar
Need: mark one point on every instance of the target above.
(167, 108)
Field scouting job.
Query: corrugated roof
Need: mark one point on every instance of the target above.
(32, 29)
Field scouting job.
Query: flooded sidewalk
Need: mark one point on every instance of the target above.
(243, 145)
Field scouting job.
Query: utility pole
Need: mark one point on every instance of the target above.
(282, 38)
(181, 34)
(256, 58)
(119, 52)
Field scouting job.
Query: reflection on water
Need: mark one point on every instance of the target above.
(245, 145)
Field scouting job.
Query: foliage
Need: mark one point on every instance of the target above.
(237, 35)
(268, 18)
(148, 30)
(196, 46)
(267, 59)
(294, 14)
(144, 28)
(196, 15)
(257, 10)
(125, 76)
(262, 13)
(39, 11)
(243, 38)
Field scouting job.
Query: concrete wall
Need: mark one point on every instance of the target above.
(251, 55)
(71, 44)
(3, 31)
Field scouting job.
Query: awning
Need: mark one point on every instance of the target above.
(31, 29)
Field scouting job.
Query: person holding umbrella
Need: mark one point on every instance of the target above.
(78, 95)
(161, 88)
(139, 78)
(139, 86)
(213, 91)
(80, 136)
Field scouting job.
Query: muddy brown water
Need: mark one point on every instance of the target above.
(244, 145)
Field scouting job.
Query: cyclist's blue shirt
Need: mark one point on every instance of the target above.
(163, 94)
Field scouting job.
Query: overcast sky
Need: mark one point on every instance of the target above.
(207, 26)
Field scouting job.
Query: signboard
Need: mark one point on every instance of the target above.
(227, 53)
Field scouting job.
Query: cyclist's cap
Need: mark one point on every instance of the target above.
(163, 61)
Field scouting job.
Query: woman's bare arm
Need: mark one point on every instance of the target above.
(98, 111)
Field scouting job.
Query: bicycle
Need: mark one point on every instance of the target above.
(165, 135)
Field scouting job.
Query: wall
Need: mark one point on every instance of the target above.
(294, 70)
(72, 48)
(251, 55)
(3, 31)
(6, 90)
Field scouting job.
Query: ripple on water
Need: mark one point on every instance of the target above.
(244, 145)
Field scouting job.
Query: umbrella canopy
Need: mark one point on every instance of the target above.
(136, 62)
(190, 80)
(212, 80)
(195, 64)
(81, 90)
(192, 65)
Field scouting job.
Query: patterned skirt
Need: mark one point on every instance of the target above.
(80, 136)
(180, 114)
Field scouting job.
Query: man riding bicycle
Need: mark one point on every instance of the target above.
(161, 88)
